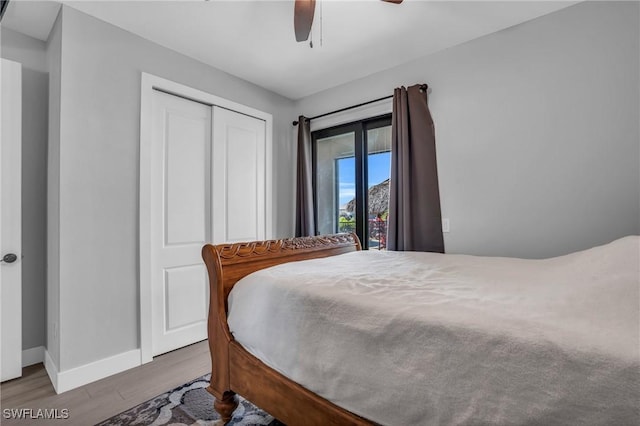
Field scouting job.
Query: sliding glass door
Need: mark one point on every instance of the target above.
(351, 179)
(378, 160)
(335, 179)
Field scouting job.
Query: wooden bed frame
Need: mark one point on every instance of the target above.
(233, 369)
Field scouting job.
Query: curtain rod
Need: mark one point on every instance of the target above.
(423, 87)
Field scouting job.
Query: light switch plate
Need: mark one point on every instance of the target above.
(445, 225)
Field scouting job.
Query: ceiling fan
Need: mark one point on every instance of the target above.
(3, 7)
(303, 17)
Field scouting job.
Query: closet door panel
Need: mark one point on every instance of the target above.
(238, 177)
(180, 220)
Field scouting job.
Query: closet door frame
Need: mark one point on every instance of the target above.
(149, 83)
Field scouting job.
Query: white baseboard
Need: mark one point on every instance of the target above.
(51, 368)
(32, 356)
(79, 376)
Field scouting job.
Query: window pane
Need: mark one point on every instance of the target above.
(379, 166)
(336, 183)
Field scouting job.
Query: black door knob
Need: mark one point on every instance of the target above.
(9, 258)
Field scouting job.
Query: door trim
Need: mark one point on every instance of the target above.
(149, 83)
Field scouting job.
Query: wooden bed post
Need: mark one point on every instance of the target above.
(219, 337)
(226, 406)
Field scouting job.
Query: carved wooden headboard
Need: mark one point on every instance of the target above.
(232, 262)
(228, 263)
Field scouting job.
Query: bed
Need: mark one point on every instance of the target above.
(317, 331)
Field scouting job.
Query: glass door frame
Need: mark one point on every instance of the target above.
(359, 129)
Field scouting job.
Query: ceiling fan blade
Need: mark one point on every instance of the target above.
(303, 18)
(3, 7)
(393, 1)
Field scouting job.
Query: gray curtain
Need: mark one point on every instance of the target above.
(305, 223)
(415, 221)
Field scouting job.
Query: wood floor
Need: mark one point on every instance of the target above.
(100, 400)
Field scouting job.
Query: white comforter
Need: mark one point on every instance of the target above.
(422, 338)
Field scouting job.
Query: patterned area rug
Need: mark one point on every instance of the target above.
(189, 404)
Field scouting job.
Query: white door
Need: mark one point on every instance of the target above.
(238, 177)
(10, 219)
(207, 186)
(180, 220)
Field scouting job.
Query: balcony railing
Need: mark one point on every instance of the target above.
(377, 231)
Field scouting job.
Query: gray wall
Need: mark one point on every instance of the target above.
(99, 171)
(54, 63)
(31, 53)
(537, 131)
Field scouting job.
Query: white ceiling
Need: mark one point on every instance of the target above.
(254, 40)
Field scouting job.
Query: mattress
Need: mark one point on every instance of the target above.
(408, 338)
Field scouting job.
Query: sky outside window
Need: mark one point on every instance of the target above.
(379, 170)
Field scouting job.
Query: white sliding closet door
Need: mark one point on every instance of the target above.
(207, 186)
(238, 177)
(181, 220)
